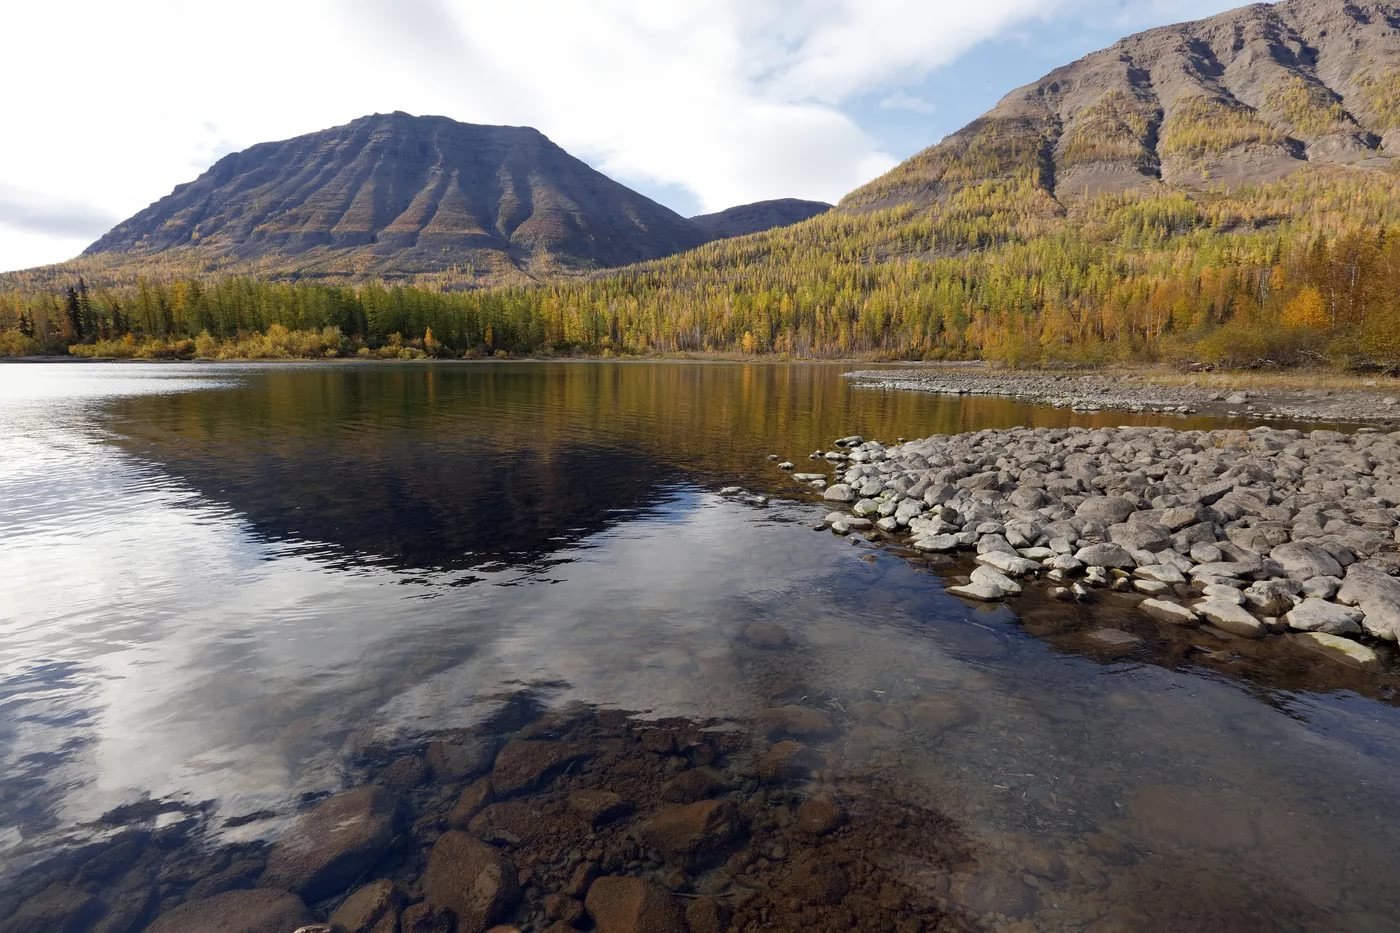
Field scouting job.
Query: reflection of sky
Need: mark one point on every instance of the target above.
(155, 642)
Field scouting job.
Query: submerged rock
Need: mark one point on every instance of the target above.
(693, 830)
(259, 910)
(633, 905)
(471, 879)
(1343, 650)
(332, 845)
(526, 763)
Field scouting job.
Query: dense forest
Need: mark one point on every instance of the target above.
(1306, 269)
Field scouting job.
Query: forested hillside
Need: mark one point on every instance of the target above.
(1220, 191)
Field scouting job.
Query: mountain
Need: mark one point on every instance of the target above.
(759, 216)
(394, 195)
(1249, 96)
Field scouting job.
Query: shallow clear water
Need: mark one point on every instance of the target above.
(219, 581)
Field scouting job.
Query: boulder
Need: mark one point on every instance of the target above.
(1106, 510)
(633, 905)
(334, 844)
(980, 591)
(457, 760)
(801, 722)
(1302, 561)
(256, 910)
(1230, 617)
(1164, 611)
(839, 493)
(819, 815)
(693, 831)
(1318, 615)
(60, 908)
(471, 879)
(787, 761)
(1375, 594)
(599, 806)
(1106, 555)
(1337, 648)
(527, 763)
(1009, 563)
(994, 577)
(476, 795)
(372, 908)
(690, 786)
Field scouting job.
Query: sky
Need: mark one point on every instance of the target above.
(701, 104)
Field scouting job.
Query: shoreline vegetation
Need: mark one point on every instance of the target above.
(1228, 278)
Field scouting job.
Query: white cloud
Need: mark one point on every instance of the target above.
(903, 100)
(112, 104)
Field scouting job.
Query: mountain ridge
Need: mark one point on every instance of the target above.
(1246, 96)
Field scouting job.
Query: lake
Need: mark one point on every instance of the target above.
(227, 590)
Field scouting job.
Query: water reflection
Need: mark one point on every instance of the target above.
(229, 595)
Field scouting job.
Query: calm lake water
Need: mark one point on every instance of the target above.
(219, 581)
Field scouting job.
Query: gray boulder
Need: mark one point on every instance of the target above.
(1318, 615)
(1302, 561)
(1375, 594)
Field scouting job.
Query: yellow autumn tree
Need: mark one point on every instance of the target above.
(750, 343)
(1307, 309)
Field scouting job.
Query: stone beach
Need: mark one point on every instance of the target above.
(1375, 402)
(1245, 533)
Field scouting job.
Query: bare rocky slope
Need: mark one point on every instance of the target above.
(1248, 96)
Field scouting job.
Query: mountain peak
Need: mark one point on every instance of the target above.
(1248, 96)
(402, 194)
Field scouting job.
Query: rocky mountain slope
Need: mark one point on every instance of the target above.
(395, 194)
(761, 215)
(1249, 96)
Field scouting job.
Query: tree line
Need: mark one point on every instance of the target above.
(1302, 270)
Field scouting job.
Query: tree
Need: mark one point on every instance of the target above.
(72, 310)
(1306, 310)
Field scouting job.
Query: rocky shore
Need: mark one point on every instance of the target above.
(578, 819)
(1244, 534)
(1102, 391)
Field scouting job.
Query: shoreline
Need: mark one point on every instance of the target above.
(1236, 534)
(1316, 396)
(1332, 398)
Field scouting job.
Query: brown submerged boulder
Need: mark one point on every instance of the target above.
(801, 722)
(258, 910)
(372, 908)
(472, 880)
(633, 905)
(693, 830)
(333, 844)
(526, 763)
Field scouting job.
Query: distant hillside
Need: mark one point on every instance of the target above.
(396, 195)
(1245, 97)
(761, 215)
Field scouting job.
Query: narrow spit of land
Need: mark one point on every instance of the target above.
(1244, 534)
(1289, 397)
